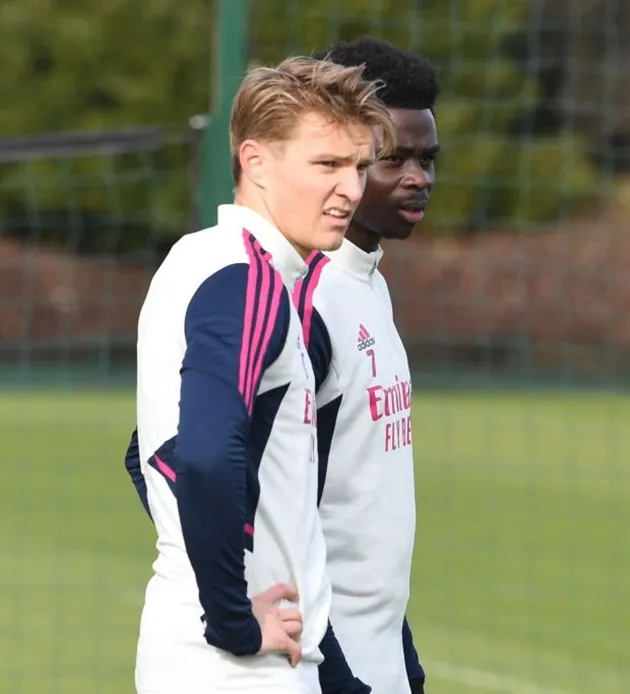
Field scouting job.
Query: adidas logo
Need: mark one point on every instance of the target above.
(364, 340)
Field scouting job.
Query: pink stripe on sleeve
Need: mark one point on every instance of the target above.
(165, 469)
(300, 283)
(261, 314)
(271, 312)
(312, 280)
(257, 344)
(250, 310)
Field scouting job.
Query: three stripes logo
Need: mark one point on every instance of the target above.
(364, 340)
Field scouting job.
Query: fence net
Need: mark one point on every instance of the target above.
(512, 300)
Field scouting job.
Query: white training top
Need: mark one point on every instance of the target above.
(366, 462)
(227, 446)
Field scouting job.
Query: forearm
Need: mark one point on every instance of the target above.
(132, 464)
(415, 671)
(335, 675)
(211, 468)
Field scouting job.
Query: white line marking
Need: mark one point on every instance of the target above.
(484, 680)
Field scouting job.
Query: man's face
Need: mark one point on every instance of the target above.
(315, 179)
(399, 186)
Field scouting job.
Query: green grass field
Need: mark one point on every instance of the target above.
(522, 570)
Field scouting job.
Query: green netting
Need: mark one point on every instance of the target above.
(511, 303)
(85, 220)
(512, 300)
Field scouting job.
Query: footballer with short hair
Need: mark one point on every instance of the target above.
(364, 390)
(225, 457)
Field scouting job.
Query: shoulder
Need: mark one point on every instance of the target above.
(320, 289)
(210, 249)
(226, 256)
(304, 290)
(380, 284)
(307, 294)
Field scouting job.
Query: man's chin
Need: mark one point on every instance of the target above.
(333, 240)
(400, 233)
(392, 227)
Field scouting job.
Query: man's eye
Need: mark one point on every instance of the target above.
(393, 160)
(327, 164)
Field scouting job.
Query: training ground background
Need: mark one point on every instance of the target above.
(522, 559)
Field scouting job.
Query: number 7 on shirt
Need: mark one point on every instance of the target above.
(372, 356)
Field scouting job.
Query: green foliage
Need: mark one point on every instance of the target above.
(79, 65)
(487, 174)
(75, 64)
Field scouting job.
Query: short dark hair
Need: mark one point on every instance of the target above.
(411, 80)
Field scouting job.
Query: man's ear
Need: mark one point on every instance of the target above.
(253, 156)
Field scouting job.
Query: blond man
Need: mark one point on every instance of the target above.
(239, 600)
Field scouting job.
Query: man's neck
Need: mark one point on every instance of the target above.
(257, 204)
(363, 238)
(253, 203)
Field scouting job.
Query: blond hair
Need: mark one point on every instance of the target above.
(271, 99)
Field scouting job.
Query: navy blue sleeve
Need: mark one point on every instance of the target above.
(233, 332)
(319, 347)
(320, 352)
(335, 675)
(326, 421)
(132, 463)
(415, 672)
(316, 337)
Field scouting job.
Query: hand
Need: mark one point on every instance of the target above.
(281, 627)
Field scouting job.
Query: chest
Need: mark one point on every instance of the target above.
(367, 349)
(372, 371)
(290, 379)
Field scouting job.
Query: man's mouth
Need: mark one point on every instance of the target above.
(413, 210)
(337, 213)
(338, 217)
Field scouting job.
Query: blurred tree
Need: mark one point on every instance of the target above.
(79, 65)
(74, 64)
(580, 52)
(490, 172)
